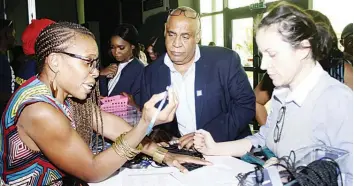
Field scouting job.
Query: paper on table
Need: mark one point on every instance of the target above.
(143, 177)
(210, 175)
(151, 177)
(222, 172)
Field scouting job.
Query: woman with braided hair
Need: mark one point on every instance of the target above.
(48, 123)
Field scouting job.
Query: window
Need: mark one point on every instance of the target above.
(219, 30)
(212, 29)
(212, 24)
(242, 3)
(242, 40)
(207, 30)
(209, 6)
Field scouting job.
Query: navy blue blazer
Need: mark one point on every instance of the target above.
(227, 104)
(129, 81)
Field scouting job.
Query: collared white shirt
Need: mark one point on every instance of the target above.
(318, 112)
(112, 82)
(183, 86)
(299, 94)
(293, 101)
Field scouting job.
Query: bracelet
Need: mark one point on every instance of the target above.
(135, 150)
(121, 151)
(159, 154)
(122, 148)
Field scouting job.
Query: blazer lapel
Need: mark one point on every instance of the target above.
(164, 78)
(200, 89)
(122, 80)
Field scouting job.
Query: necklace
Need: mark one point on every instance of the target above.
(12, 80)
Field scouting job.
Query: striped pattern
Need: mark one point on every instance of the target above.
(337, 72)
(336, 69)
(21, 165)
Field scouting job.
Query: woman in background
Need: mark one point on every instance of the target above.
(27, 66)
(7, 75)
(122, 77)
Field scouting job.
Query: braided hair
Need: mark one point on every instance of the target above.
(58, 37)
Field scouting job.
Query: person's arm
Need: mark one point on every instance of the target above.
(242, 105)
(348, 75)
(145, 92)
(204, 143)
(109, 71)
(241, 108)
(263, 93)
(65, 148)
(335, 126)
(135, 87)
(114, 126)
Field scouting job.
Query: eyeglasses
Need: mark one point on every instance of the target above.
(174, 12)
(93, 63)
(277, 129)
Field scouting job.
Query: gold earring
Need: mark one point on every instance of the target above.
(52, 87)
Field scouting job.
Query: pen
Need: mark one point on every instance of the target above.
(153, 119)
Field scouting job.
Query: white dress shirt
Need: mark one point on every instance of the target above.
(113, 82)
(183, 86)
(319, 111)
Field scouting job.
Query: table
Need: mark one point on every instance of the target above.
(222, 172)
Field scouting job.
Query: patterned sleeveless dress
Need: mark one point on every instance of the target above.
(19, 164)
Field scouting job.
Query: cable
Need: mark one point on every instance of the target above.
(323, 172)
(243, 177)
(320, 172)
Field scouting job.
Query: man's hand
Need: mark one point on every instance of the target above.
(175, 160)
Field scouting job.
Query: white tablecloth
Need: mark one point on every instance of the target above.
(222, 172)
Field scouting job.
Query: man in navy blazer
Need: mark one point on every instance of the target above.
(212, 87)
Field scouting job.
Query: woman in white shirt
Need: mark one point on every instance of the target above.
(122, 77)
(308, 106)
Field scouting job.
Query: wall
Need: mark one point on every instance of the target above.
(132, 13)
(107, 14)
(17, 12)
(57, 10)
